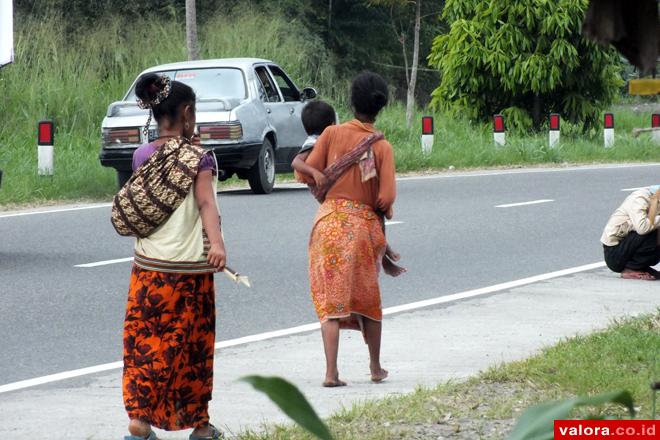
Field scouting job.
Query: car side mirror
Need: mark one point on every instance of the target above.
(308, 93)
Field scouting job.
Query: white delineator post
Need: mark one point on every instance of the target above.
(45, 142)
(498, 130)
(427, 134)
(608, 132)
(554, 132)
(655, 123)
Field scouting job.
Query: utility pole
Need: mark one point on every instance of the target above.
(191, 30)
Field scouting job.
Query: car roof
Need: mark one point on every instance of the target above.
(242, 63)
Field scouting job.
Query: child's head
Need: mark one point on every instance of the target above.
(316, 116)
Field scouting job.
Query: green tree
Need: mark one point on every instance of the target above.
(411, 76)
(523, 58)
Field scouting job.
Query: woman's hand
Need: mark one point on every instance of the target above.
(217, 256)
(319, 178)
(389, 213)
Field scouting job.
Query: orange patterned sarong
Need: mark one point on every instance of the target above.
(345, 250)
(169, 336)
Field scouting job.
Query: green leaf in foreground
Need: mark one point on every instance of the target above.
(537, 422)
(292, 402)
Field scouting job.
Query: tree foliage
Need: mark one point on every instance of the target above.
(524, 58)
(358, 34)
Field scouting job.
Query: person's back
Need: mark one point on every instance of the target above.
(171, 285)
(335, 142)
(631, 243)
(631, 215)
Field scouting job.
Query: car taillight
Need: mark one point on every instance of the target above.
(221, 131)
(116, 137)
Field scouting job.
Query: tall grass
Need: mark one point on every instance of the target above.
(72, 79)
(461, 144)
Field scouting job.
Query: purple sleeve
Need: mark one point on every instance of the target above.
(207, 163)
(142, 154)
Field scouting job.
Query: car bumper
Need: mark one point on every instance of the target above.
(233, 156)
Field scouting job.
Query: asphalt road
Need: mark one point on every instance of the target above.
(56, 317)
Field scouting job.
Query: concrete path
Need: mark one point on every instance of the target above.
(420, 348)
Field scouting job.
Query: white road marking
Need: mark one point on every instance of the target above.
(450, 175)
(314, 326)
(391, 222)
(632, 189)
(533, 202)
(105, 263)
(52, 211)
(445, 175)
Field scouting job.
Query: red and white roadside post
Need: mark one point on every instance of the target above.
(45, 142)
(608, 131)
(554, 132)
(498, 129)
(427, 134)
(655, 123)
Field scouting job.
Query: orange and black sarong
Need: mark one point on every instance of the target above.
(345, 249)
(169, 336)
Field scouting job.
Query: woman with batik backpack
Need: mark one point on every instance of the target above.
(169, 205)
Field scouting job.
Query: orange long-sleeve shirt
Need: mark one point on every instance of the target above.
(337, 140)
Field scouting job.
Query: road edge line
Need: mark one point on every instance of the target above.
(29, 383)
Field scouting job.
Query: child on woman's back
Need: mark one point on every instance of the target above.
(316, 116)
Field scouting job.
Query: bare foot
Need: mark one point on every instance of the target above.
(379, 375)
(334, 383)
(393, 270)
(629, 274)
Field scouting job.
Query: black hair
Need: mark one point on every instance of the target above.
(369, 94)
(316, 116)
(151, 84)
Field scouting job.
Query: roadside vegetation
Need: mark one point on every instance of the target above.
(71, 76)
(487, 406)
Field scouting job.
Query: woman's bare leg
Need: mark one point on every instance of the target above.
(372, 332)
(330, 334)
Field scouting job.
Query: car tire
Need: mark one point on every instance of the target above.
(262, 174)
(122, 177)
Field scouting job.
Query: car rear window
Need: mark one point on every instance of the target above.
(225, 82)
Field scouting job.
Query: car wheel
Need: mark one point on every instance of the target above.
(262, 174)
(122, 177)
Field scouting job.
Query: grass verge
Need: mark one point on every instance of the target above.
(51, 80)
(487, 406)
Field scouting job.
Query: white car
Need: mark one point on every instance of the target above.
(248, 114)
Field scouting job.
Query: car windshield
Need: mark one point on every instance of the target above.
(225, 82)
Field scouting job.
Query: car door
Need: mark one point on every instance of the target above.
(295, 134)
(278, 114)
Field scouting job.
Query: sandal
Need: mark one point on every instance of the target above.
(215, 435)
(151, 436)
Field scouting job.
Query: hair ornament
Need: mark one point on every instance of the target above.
(165, 85)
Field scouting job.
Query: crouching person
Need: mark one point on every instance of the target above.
(630, 239)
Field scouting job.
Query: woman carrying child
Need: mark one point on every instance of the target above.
(347, 241)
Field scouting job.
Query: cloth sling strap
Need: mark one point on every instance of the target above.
(362, 153)
(157, 188)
